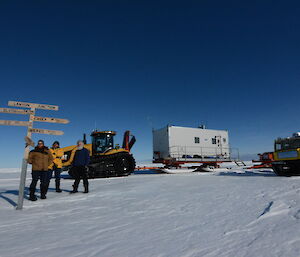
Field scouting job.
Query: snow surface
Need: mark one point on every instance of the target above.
(229, 212)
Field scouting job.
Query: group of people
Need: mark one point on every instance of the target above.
(46, 162)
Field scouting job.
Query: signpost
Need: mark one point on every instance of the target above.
(14, 123)
(30, 130)
(47, 131)
(34, 106)
(52, 120)
(15, 111)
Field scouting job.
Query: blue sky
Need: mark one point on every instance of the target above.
(141, 64)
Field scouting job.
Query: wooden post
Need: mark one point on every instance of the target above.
(25, 164)
(30, 130)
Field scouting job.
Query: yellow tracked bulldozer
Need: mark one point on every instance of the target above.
(106, 160)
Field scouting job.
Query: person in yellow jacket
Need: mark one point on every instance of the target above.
(56, 165)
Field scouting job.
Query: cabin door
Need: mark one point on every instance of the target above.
(219, 146)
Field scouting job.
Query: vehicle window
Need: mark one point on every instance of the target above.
(278, 147)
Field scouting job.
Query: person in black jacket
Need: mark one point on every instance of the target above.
(79, 167)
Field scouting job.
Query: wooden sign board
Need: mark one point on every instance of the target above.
(51, 120)
(29, 142)
(15, 111)
(33, 105)
(14, 123)
(46, 131)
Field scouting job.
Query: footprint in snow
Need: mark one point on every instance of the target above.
(297, 215)
(274, 208)
(267, 209)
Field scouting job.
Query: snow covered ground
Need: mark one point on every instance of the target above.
(225, 213)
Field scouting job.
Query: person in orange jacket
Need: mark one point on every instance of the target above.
(40, 158)
(56, 165)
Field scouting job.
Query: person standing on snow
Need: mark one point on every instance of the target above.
(40, 158)
(79, 167)
(56, 165)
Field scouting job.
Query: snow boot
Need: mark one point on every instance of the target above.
(57, 186)
(43, 192)
(74, 189)
(86, 187)
(32, 196)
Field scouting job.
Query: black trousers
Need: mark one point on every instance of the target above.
(80, 172)
(36, 176)
(56, 172)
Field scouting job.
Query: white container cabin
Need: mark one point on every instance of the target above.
(190, 144)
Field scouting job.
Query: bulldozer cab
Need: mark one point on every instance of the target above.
(102, 141)
(287, 143)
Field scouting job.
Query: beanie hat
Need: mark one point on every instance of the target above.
(41, 141)
(55, 142)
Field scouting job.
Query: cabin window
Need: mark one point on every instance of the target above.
(197, 140)
(224, 140)
(278, 147)
(214, 141)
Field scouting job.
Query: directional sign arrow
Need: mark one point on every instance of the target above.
(52, 120)
(33, 105)
(14, 123)
(46, 131)
(29, 142)
(15, 111)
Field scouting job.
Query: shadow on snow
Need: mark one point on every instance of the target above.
(6, 198)
(5, 194)
(249, 173)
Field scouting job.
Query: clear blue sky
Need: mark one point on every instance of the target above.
(140, 64)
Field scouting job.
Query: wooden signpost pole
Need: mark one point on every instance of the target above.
(30, 130)
(25, 164)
